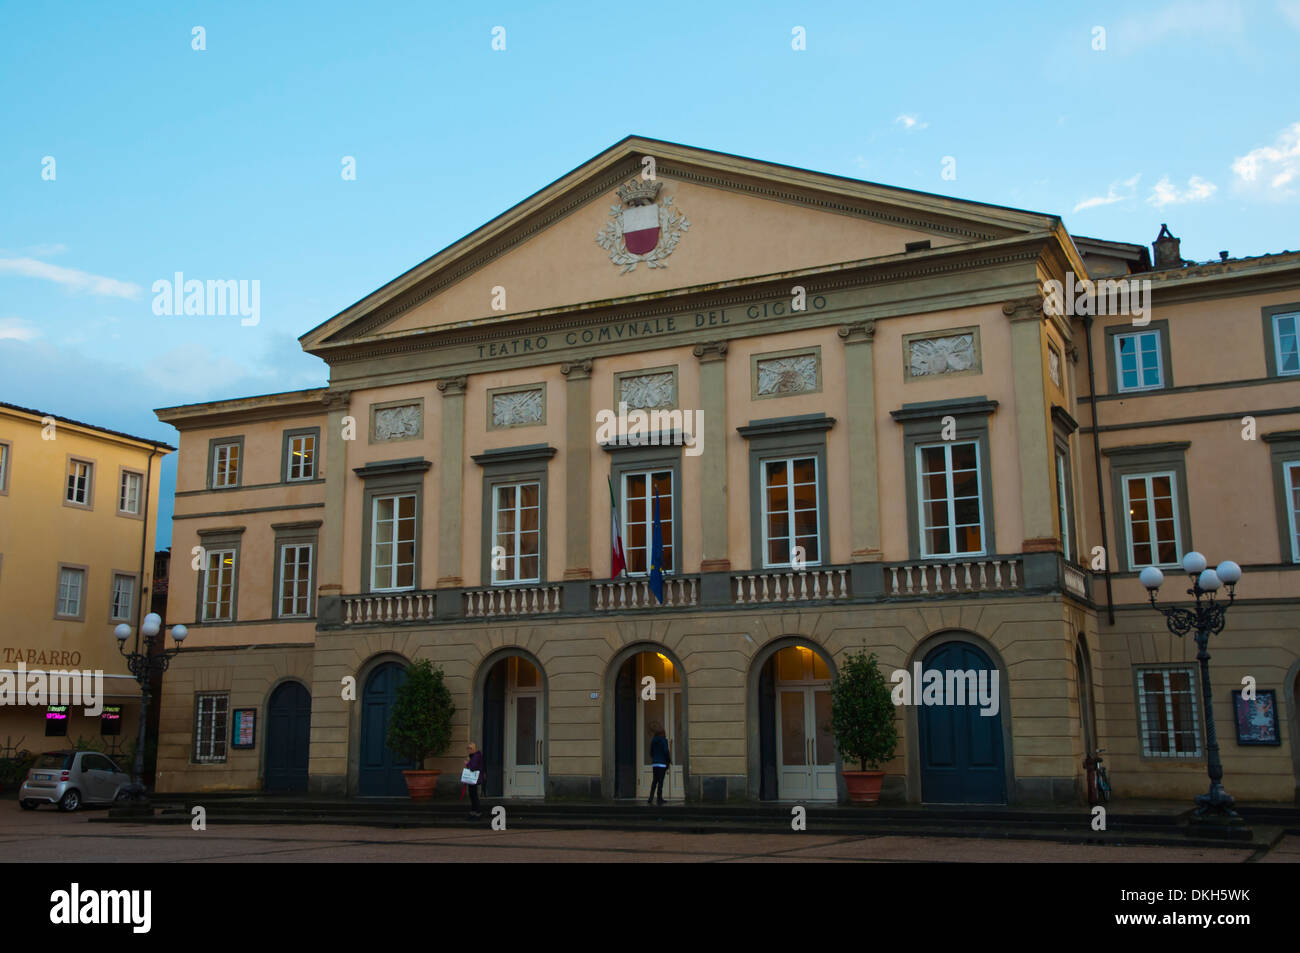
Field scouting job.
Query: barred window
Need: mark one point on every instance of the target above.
(210, 712)
(1170, 725)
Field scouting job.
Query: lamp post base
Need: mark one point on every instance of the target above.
(1214, 809)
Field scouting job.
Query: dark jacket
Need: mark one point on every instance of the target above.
(475, 763)
(659, 751)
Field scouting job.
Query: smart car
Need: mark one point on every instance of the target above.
(70, 779)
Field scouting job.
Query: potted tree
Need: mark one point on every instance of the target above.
(862, 718)
(420, 725)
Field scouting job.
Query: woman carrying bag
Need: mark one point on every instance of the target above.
(472, 776)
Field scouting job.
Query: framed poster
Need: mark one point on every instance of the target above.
(1256, 717)
(243, 728)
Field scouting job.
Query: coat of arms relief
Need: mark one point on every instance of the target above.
(642, 229)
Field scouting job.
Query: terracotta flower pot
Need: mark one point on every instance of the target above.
(864, 786)
(420, 784)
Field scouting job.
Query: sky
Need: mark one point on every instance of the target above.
(213, 139)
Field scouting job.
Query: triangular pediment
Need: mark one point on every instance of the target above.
(605, 232)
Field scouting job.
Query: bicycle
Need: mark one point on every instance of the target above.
(1098, 779)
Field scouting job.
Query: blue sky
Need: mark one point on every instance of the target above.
(226, 162)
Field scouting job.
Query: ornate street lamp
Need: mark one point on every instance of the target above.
(143, 665)
(1206, 618)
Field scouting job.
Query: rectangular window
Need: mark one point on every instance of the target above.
(4, 467)
(1138, 360)
(1170, 725)
(123, 597)
(72, 583)
(1064, 503)
(639, 492)
(1286, 342)
(295, 579)
(219, 586)
(210, 713)
(392, 543)
(128, 493)
(790, 513)
(952, 509)
(1152, 507)
(225, 465)
(301, 463)
(79, 482)
(1291, 472)
(516, 533)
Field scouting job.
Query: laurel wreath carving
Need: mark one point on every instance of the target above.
(672, 224)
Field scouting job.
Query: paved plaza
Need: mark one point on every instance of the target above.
(47, 836)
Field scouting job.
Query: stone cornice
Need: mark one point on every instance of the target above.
(907, 268)
(934, 409)
(531, 453)
(1169, 446)
(391, 467)
(781, 426)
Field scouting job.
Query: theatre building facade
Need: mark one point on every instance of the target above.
(863, 427)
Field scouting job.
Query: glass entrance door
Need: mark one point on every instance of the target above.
(666, 711)
(524, 731)
(805, 753)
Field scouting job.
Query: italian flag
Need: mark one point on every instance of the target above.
(617, 563)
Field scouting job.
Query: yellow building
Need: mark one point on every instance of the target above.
(873, 427)
(78, 514)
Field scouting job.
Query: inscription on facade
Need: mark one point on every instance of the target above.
(630, 330)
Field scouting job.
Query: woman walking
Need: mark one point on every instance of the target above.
(474, 765)
(660, 758)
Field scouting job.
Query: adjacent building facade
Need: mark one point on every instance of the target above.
(78, 514)
(861, 429)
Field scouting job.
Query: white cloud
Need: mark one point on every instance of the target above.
(70, 278)
(1118, 192)
(1166, 193)
(861, 163)
(16, 329)
(1271, 171)
(911, 123)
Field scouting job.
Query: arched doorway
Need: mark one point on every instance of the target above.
(380, 773)
(797, 759)
(514, 729)
(961, 749)
(288, 737)
(641, 709)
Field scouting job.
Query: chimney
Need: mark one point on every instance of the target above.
(1167, 254)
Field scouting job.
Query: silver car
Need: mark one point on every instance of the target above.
(71, 779)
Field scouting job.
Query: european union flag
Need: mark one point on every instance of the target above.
(657, 555)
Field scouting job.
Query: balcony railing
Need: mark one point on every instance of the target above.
(960, 576)
(512, 600)
(775, 588)
(1075, 580)
(802, 586)
(618, 594)
(376, 607)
